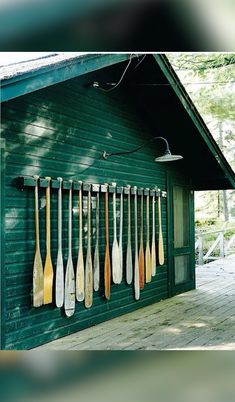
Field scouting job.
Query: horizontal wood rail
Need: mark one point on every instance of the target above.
(220, 242)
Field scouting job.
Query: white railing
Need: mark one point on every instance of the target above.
(224, 245)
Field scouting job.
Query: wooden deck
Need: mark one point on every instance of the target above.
(200, 319)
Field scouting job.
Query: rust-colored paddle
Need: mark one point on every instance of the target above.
(69, 292)
(160, 240)
(141, 250)
(37, 266)
(48, 269)
(88, 269)
(107, 263)
(80, 261)
(147, 250)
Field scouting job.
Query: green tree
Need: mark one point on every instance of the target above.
(209, 79)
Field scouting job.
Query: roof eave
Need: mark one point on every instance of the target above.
(189, 106)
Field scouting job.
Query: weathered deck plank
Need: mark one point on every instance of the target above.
(200, 319)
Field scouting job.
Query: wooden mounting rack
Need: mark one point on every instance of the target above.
(27, 181)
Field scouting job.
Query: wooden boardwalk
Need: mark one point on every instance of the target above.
(200, 319)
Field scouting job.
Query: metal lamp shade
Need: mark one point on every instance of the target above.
(168, 157)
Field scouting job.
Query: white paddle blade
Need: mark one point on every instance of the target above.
(148, 265)
(96, 270)
(80, 278)
(153, 259)
(121, 264)
(116, 262)
(129, 266)
(161, 250)
(59, 284)
(69, 293)
(88, 283)
(37, 280)
(137, 280)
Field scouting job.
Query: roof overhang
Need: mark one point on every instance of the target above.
(38, 77)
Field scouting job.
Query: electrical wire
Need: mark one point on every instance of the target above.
(139, 63)
(120, 80)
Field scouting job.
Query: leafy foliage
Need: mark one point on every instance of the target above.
(209, 79)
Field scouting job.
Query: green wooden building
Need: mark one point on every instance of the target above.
(58, 116)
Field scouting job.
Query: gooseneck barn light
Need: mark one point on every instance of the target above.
(166, 157)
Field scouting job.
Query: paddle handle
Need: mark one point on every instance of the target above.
(48, 217)
(36, 214)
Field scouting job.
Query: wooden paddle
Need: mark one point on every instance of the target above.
(69, 294)
(48, 268)
(147, 250)
(107, 264)
(37, 266)
(129, 267)
(136, 276)
(88, 269)
(141, 250)
(59, 282)
(96, 255)
(115, 248)
(153, 247)
(120, 237)
(80, 260)
(160, 239)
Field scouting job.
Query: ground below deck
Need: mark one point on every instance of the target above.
(200, 319)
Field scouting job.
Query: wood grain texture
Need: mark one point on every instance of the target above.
(136, 269)
(96, 254)
(48, 268)
(141, 250)
(160, 239)
(88, 268)
(129, 263)
(115, 247)
(59, 280)
(147, 250)
(69, 293)
(107, 262)
(37, 266)
(80, 261)
(153, 246)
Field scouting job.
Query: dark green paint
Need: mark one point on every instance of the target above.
(62, 130)
(43, 137)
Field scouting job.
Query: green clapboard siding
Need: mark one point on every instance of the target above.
(62, 131)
